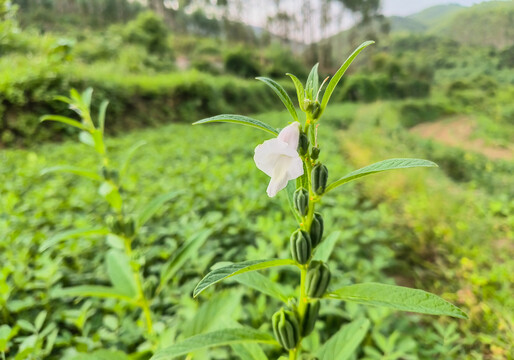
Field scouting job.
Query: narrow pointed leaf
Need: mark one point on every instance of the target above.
(64, 120)
(249, 351)
(339, 74)
(120, 272)
(217, 275)
(91, 291)
(213, 339)
(153, 206)
(101, 115)
(324, 250)
(69, 234)
(390, 164)
(185, 252)
(263, 284)
(300, 91)
(73, 170)
(241, 120)
(312, 84)
(128, 156)
(397, 297)
(282, 94)
(342, 345)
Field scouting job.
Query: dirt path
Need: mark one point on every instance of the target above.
(458, 133)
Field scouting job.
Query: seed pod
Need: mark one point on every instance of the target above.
(315, 153)
(301, 201)
(316, 110)
(286, 328)
(129, 228)
(303, 144)
(301, 247)
(317, 228)
(317, 279)
(319, 177)
(310, 317)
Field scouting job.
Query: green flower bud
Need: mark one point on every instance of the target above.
(303, 144)
(301, 247)
(317, 228)
(310, 317)
(315, 153)
(301, 201)
(316, 110)
(319, 177)
(286, 328)
(317, 279)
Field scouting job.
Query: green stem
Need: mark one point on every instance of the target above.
(292, 354)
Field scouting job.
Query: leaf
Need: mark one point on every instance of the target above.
(249, 351)
(128, 156)
(312, 84)
(85, 99)
(187, 249)
(64, 120)
(91, 291)
(111, 194)
(390, 164)
(217, 275)
(102, 355)
(282, 94)
(73, 170)
(397, 297)
(85, 137)
(212, 339)
(300, 92)
(342, 345)
(324, 250)
(339, 74)
(101, 115)
(239, 119)
(69, 235)
(40, 320)
(120, 273)
(151, 208)
(263, 284)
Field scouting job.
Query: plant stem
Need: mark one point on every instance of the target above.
(292, 354)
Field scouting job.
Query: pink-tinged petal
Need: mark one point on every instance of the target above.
(290, 135)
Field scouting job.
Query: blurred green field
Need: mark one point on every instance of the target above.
(420, 228)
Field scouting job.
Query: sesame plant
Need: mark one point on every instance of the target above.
(294, 153)
(124, 262)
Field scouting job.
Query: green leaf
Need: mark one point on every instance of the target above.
(40, 320)
(249, 351)
(342, 345)
(101, 115)
(239, 119)
(282, 94)
(212, 339)
(300, 92)
(85, 137)
(153, 206)
(324, 250)
(217, 275)
(339, 74)
(64, 120)
(128, 156)
(187, 250)
(120, 273)
(111, 194)
(102, 355)
(85, 99)
(312, 84)
(397, 297)
(91, 291)
(263, 284)
(73, 170)
(70, 234)
(390, 164)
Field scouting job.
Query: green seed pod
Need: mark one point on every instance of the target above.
(317, 279)
(286, 328)
(315, 153)
(129, 228)
(301, 201)
(310, 317)
(319, 177)
(303, 144)
(316, 110)
(317, 228)
(301, 247)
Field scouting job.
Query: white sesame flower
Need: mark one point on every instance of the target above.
(279, 159)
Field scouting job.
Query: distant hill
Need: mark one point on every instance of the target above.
(435, 14)
(488, 23)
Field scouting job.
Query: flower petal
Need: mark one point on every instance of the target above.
(295, 168)
(279, 178)
(268, 154)
(290, 135)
